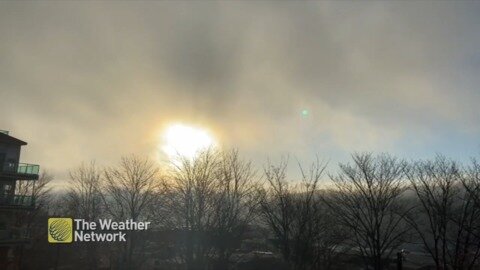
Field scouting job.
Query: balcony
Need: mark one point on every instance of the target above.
(19, 171)
(17, 202)
(14, 236)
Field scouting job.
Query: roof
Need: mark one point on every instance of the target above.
(4, 138)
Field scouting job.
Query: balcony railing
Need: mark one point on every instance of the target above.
(28, 168)
(13, 235)
(17, 201)
(20, 168)
(23, 200)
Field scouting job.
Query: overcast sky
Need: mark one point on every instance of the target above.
(97, 80)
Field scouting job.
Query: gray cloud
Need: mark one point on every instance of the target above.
(101, 79)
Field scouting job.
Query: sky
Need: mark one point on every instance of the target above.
(97, 80)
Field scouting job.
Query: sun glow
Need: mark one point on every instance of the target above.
(180, 140)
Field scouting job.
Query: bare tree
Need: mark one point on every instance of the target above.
(471, 180)
(37, 195)
(471, 183)
(84, 197)
(191, 201)
(84, 200)
(235, 202)
(367, 198)
(464, 235)
(129, 190)
(211, 201)
(296, 216)
(446, 218)
(38, 191)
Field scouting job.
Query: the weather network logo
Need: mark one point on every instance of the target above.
(60, 230)
(67, 230)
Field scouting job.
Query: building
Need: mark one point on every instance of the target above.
(17, 185)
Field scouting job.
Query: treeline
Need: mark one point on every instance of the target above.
(204, 209)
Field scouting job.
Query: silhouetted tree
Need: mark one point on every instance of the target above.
(33, 256)
(296, 216)
(191, 202)
(84, 201)
(211, 200)
(445, 219)
(367, 198)
(129, 190)
(235, 202)
(39, 190)
(471, 180)
(84, 196)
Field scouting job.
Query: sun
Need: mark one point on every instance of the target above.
(179, 140)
